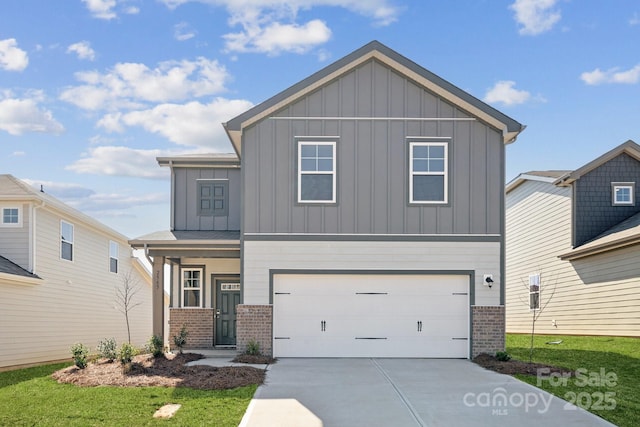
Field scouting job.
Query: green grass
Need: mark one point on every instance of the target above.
(614, 355)
(29, 397)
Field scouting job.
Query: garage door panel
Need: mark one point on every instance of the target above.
(371, 316)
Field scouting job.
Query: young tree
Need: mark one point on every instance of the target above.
(125, 298)
(538, 291)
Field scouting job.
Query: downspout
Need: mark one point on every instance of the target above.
(33, 236)
(146, 255)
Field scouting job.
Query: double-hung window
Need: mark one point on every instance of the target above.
(66, 240)
(113, 257)
(534, 292)
(428, 172)
(191, 285)
(11, 217)
(623, 193)
(316, 172)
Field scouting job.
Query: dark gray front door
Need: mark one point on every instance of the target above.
(227, 299)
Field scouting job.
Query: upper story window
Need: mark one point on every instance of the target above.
(534, 292)
(428, 172)
(191, 287)
(623, 193)
(316, 172)
(213, 197)
(66, 240)
(11, 217)
(113, 256)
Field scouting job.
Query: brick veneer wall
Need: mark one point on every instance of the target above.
(488, 330)
(199, 323)
(254, 322)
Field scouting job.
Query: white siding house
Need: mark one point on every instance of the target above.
(59, 270)
(590, 287)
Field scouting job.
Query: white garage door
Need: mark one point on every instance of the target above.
(382, 315)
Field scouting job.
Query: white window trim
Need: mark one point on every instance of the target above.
(332, 173)
(116, 257)
(200, 288)
(534, 279)
(72, 241)
(11, 224)
(630, 185)
(445, 173)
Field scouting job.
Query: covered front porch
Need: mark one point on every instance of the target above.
(201, 272)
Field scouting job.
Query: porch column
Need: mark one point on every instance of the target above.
(157, 297)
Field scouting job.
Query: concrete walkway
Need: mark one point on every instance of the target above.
(403, 392)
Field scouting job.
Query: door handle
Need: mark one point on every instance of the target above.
(419, 325)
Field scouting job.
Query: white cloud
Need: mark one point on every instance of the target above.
(504, 92)
(130, 85)
(18, 153)
(535, 16)
(612, 75)
(83, 50)
(12, 58)
(182, 31)
(269, 26)
(120, 161)
(193, 124)
(88, 200)
(101, 9)
(19, 116)
(276, 38)
(635, 19)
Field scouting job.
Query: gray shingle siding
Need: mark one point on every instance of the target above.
(594, 212)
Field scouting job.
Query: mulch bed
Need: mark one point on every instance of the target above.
(167, 371)
(512, 367)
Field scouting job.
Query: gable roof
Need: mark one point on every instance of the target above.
(629, 147)
(376, 50)
(550, 176)
(13, 189)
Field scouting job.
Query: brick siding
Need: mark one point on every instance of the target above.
(488, 330)
(254, 323)
(199, 323)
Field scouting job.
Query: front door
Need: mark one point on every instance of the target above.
(227, 300)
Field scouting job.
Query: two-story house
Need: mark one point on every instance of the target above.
(362, 214)
(60, 271)
(572, 247)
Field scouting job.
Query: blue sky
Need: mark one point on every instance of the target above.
(92, 91)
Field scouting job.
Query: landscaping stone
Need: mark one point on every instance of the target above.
(167, 411)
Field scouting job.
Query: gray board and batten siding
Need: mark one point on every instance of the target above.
(367, 111)
(188, 215)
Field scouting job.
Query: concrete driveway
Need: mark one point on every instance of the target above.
(403, 392)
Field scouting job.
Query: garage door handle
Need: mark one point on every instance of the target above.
(323, 326)
(454, 338)
(419, 325)
(371, 338)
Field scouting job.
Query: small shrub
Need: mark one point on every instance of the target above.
(80, 354)
(253, 348)
(108, 349)
(503, 356)
(126, 353)
(181, 339)
(155, 347)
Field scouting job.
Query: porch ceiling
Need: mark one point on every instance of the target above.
(209, 244)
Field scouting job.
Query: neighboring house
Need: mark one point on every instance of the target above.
(59, 271)
(361, 215)
(573, 241)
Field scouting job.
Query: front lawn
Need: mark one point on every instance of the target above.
(607, 382)
(31, 397)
